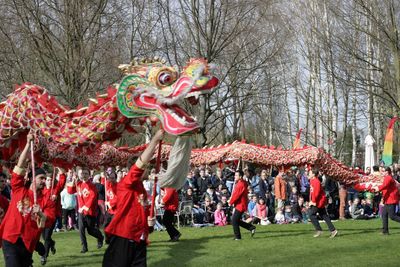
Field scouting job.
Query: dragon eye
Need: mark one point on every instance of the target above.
(165, 78)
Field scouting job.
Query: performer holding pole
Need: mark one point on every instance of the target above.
(129, 229)
(390, 195)
(25, 219)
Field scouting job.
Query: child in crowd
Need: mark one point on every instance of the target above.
(279, 217)
(219, 216)
(289, 215)
(261, 213)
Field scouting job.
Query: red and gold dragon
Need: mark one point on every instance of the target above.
(64, 136)
(152, 90)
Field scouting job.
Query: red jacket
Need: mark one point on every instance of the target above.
(111, 196)
(317, 194)
(170, 199)
(47, 192)
(390, 193)
(87, 197)
(239, 197)
(130, 219)
(19, 221)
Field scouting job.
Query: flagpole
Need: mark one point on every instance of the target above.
(158, 164)
(33, 174)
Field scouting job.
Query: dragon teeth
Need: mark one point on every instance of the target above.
(181, 120)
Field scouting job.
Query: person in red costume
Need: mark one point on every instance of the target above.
(52, 191)
(318, 205)
(129, 229)
(25, 220)
(111, 197)
(390, 197)
(87, 208)
(170, 203)
(239, 200)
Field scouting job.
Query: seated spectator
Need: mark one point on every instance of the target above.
(367, 207)
(223, 191)
(210, 193)
(219, 216)
(251, 208)
(209, 211)
(227, 209)
(279, 216)
(300, 211)
(356, 211)
(198, 212)
(289, 218)
(261, 213)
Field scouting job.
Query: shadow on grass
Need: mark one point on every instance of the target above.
(184, 251)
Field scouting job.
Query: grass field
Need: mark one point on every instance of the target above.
(359, 243)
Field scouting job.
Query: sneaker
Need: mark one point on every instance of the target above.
(317, 234)
(237, 239)
(333, 234)
(84, 250)
(252, 232)
(100, 242)
(43, 260)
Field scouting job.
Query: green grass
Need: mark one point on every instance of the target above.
(359, 243)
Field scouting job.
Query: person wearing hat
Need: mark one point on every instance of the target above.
(25, 219)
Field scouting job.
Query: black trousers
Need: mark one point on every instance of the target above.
(16, 255)
(322, 212)
(388, 211)
(168, 220)
(123, 252)
(48, 241)
(237, 221)
(88, 222)
(66, 214)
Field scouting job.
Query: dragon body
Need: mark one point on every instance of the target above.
(150, 89)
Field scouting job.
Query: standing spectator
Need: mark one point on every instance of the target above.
(304, 186)
(229, 177)
(390, 197)
(263, 185)
(280, 189)
(87, 208)
(254, 180)
(239, 200)
(191, 182)
(170, 203)
(203, 182)
(68, 204)
(317, 205)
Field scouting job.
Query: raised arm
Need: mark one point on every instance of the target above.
(24, 154)
(148, 153)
